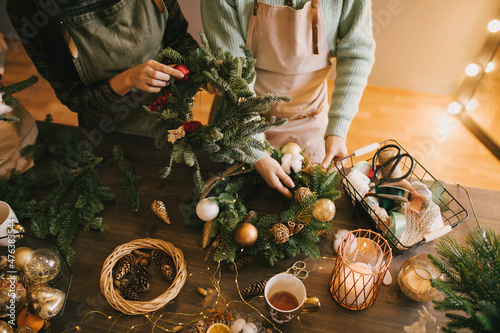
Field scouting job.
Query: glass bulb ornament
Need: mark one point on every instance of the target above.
(42, 265)
(5, 327)
(324, 210)
(414, 278)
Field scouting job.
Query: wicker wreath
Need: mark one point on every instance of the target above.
(142, 307)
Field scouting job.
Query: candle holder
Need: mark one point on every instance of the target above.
(362, 261)
(414, 278)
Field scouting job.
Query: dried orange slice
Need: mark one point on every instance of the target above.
(218, 328)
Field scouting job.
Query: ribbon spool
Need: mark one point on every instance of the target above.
(397, 224)
(392, 192)
(363, 166)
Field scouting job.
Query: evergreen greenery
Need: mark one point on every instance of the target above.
(230, 195)
(471, 284)
(237, 119)
(60, 202)
(129, 180)
(7, 91)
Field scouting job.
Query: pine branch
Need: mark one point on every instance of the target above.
(17, 87)
(129, 180)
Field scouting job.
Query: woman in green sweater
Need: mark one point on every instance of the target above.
(294, 42)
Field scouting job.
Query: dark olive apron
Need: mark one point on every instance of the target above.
(110, 41)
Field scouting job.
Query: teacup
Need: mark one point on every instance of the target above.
(7, 220)
(285, 298)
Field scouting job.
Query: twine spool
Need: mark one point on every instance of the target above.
(142, 307)
(360, 182)
(383, 157)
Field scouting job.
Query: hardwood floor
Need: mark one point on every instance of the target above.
(418, 121)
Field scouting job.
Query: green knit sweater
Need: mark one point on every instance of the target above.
(350, 40)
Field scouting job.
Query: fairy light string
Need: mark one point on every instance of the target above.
(157, 321)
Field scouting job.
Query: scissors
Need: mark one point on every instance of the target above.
(393, 163)
(298, 269)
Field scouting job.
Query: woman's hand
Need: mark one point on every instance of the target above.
(335, 150)
(150, 76)
(270, 170)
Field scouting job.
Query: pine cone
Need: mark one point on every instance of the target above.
(201, 326)
(254, 289)
(140, 283)
(158, 207)
(124, 266)
(241, 262)
(129, 294)
(164, 263)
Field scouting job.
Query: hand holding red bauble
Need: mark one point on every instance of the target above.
(184, 70)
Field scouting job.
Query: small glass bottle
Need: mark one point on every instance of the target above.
(415, 276)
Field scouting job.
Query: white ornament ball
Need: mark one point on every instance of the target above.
(290, 148)
(207, 210)
(249, 328)
(237, 325)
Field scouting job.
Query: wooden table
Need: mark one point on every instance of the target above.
(392, 309)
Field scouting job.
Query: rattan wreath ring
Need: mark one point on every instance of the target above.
(142, 307)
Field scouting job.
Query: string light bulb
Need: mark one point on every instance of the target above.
(494, 26)
(490, 67)
(472, 69)
(454, 108)
(471, 104)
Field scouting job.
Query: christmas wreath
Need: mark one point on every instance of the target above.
(227, 224)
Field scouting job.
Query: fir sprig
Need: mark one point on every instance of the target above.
(7, 91)
(471, 281)
(129, 180)
(64, 200)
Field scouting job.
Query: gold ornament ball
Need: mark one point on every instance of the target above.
(246, 234)
(20, 255)
(324, 210)
(301, 194)
(290, 148)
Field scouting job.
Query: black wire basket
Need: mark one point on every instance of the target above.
(452, 212)
(63, 279)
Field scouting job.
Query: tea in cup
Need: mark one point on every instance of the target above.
(285, 298)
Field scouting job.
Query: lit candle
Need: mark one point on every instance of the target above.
(356, 284)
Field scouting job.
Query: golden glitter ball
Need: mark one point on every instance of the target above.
(301, 194)
(20, 256)
(324, 210)
(290, 148)
(246, 234)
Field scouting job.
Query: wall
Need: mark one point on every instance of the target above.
(424, 45)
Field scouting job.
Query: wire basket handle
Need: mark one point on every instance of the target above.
(366, 149)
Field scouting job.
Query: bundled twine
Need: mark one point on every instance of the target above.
(417, 224)
(233, 170)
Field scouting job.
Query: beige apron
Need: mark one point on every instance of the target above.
(13, 138)
(293, 59)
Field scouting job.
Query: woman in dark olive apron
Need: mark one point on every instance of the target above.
(110, 41)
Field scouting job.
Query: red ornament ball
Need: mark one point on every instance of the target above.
(184, 70)
(246, 234)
